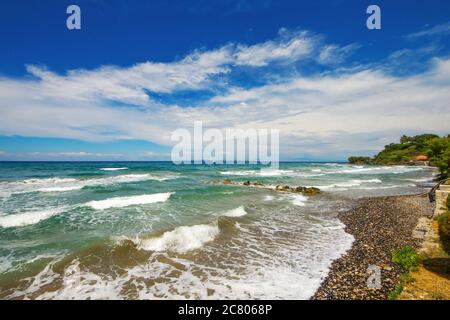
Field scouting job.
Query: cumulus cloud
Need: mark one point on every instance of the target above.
(319, 115)
(366, 101)
(129, 85)
(134, 85)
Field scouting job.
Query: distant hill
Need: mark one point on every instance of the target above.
(436, 148)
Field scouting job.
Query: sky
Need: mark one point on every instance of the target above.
(138, 70)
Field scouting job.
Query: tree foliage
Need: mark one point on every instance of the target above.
(436, 148)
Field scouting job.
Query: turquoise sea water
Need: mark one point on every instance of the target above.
(146, 230)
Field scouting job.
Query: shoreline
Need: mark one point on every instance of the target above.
(379, 226)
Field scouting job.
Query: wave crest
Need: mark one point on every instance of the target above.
(120, 202)
(238, 212)
(27, 218)
(181, 239)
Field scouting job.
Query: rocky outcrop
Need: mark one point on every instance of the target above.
(305, 190)
(279, 188)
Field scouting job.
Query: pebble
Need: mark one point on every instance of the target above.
(379, 225)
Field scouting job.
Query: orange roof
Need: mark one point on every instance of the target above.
(421, 158)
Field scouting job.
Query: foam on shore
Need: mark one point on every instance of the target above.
(238, 212)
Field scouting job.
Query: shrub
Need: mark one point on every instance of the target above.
(396, 292)
(406, 257)
(405, 278)
(359, 160)
(444, 230)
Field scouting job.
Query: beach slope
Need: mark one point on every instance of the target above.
(379, 225)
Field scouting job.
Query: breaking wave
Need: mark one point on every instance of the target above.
(349, 184)
(299, 200)
(238, 212)
(27, 218)
(120, 202)
(181, 239)
(71, 184)
(260, 173)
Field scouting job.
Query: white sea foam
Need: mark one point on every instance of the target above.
(349, 184)
(376, 169)
(299, 200)
(275, 173)
(238, 212)
(240, 173)
(60, 189)
(260, 173)
(289, 268)
(113, 169)
(388, 187)
(370, 181)
(294, 272)
(44, 181)
(5, 263)
(126, 178)
(181, 239)
(27, 218)
(420, 180)
(71, 184)
(120, 202)
(30, 185)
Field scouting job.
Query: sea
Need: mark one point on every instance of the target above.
(156, 230)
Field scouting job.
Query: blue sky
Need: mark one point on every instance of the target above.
(140, 69)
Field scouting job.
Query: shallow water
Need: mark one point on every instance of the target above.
(143, 230)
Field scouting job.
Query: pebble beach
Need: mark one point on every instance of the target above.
(379, 226)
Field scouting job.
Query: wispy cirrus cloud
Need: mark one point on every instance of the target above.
(129, 85)
(334, 54)
(288, 47)
(438, 30)
(197, 71)
(86, 154)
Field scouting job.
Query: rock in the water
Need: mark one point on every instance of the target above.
(282, 188)
(311, 190)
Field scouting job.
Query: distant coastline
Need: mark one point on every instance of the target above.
(420, 150)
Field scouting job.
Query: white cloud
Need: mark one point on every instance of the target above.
(133, 85)
(442, 29)
(323, 114)
(288, 47)
(85, 154)
(128, 85)
(334, 54)
(152, 155)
